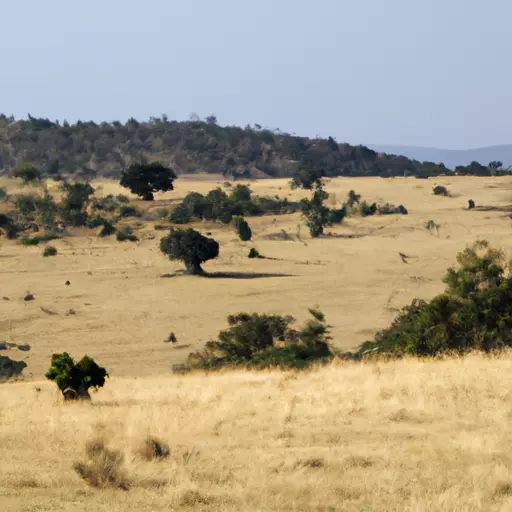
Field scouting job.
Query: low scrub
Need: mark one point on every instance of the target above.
(473, 313)
(103, 467)
(440, 190)
(49, 250)
(263, 341)
(126, 234)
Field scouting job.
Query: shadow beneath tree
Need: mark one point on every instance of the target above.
(10, 368)
(229, 275)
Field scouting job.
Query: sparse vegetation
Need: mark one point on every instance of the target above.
(126, 234)
(50, 250)
(103, 468)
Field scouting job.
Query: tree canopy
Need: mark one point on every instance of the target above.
(145, 179)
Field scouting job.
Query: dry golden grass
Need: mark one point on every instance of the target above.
(398, 436)
(125, 309)
(409, 435)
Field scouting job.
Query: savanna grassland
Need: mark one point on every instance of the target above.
(403, 435)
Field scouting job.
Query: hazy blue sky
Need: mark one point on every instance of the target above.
(421, 72)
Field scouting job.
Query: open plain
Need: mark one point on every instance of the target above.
(406, 435)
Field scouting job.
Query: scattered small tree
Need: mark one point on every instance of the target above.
(75, 379)
(242, 228)
(471, 204)
(145, 179)
(126, 234)
(190, 247)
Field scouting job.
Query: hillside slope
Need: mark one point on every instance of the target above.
(194, 146)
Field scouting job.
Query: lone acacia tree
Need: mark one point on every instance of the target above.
(74, 379)
(145, 179)
(190, 247)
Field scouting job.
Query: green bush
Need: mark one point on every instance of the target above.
(473, 313)
(36, 240)
(263, 341)
(3, 194)
(50, 250)
(128, 211)
(126, 234)
(180, 215)
(106, 204)
(390, 209)
(107, 229)
(242, 228)
(77, 377)
(471, 204)
(440, 190)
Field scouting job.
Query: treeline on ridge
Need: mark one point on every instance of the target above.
(89, 149)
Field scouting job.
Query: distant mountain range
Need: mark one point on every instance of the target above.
(450, 157)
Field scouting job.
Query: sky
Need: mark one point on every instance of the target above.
(415, 72)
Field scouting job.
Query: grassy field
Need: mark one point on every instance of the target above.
(397, 436)
(402, 436)
(125, 309)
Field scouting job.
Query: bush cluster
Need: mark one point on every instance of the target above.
(473, 313)
(217, 205)
(263, 341)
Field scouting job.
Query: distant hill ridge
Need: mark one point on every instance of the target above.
(451, 157)
(89, 149)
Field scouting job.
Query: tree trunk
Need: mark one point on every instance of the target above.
(148, 196)
(76, 394)
(194, 269)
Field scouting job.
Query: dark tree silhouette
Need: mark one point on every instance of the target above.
(145, 179)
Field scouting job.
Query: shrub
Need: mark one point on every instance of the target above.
(154, 449)
(390, 209)
(145, 179)
(242, 228)
(171, 338)
(240, 193)
(262, 341)
(471, 204)
(3, 194)
(50, 250)
(190, 247)
(103, 467)
(75, 379)
(106, 204)
(36, 240)
(126, 234)
(180, 215)
(121, 198)
(27, 173)
(253, 253)
(430, 225)
(440, 190)
(128, 211)
(107, 229)
(474, 312)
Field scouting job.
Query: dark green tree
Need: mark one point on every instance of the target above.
(145, 179)
(190, 247)
(75, 379)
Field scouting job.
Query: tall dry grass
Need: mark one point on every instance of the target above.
(395, 436)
